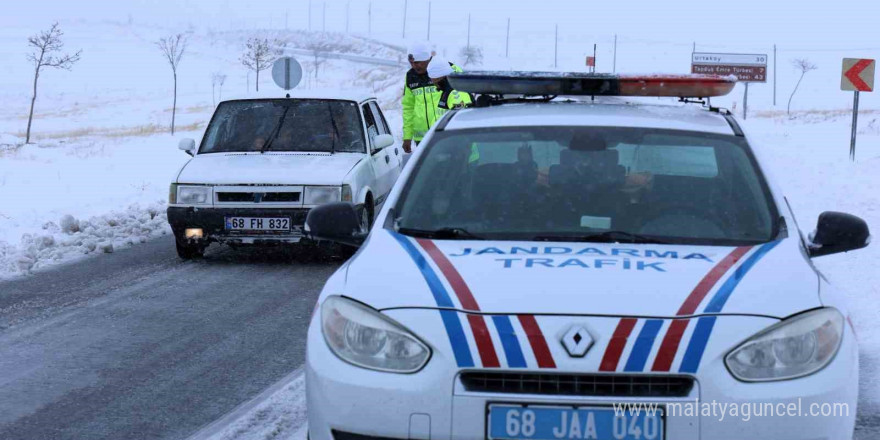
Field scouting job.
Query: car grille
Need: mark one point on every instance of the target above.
(250, 197)
(610, 385)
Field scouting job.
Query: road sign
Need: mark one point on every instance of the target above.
(591, 61)
(746, 67)
(857, 75)
(286, 72)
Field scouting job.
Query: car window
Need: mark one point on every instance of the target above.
(372, 128)
(528, 182)
(285, 125)
(380, 119)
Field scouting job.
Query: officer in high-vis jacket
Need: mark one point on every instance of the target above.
(420, 97)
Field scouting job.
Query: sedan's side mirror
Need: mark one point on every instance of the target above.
(838, 232)
(381, 141)
(337, 222)
(187, 145)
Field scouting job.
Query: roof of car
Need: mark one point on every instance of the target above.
(272, 92)
(686, 117)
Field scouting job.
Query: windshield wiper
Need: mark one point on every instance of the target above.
(275, 131)
(442, 233)
(604, 237)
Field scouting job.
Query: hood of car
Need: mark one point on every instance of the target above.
(270, 168)
(395, 271)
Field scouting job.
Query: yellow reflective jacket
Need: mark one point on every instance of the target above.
(420, 99)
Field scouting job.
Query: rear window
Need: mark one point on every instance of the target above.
(538, 182)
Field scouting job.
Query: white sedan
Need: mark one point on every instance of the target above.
(264, 163)
(567, 269)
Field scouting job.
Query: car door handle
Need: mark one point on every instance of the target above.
(387, 159)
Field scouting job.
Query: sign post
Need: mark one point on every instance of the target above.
(747, 68)
(857, 76)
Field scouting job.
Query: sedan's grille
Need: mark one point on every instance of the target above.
(611, 385)
(249, 197)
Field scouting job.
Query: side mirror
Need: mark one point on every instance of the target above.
(381, 141)
(337, 222)
(187, 145)
(838, 232)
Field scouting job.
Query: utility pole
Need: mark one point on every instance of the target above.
(370, 19)
(556, 48)
(404, 17)
(774, 75)
(429, 21)
(469, 32)
(614, 67)
(507, 45)
(746, 103)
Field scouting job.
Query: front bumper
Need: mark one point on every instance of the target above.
(213, 222)
(433, 402)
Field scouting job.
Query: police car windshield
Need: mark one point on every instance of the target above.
(308, 125)
(546, 183)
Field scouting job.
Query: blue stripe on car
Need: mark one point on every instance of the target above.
(694, 353)
(509, 341)
(454, 329)
(642, 348)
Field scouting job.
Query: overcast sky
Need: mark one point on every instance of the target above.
(735, 23)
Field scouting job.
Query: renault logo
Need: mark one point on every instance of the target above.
(577, 341)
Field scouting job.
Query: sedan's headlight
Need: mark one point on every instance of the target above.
(194, 195)
(318, 195)
(368, 339)
(796, 347)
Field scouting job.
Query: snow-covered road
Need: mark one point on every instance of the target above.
(140, 345)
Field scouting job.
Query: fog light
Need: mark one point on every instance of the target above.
(193, 233)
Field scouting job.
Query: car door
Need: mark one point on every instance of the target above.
(386, 129)
(380, 159)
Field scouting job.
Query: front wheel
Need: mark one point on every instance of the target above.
(189, 251)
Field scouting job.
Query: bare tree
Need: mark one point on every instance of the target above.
(45, 46)
(472, 55)
(319, 50)
(217, 80)
(804, 65)
(260, 55)
(173, 48)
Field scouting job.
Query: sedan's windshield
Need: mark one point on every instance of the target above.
(587, 183)
(285, 125)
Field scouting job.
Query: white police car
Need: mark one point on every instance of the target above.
(263, 163)
(542, 262)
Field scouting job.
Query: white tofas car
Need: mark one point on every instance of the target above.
(543, 261)
(263, 163)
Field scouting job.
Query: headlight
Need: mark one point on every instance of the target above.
(796, 347)
(318, 195)
(194, 195)
(364, 337)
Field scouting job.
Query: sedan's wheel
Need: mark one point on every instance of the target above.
(367, 216)
(189, 251)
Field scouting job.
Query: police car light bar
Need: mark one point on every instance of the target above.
(591, 84)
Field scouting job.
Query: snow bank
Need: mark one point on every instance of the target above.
(71, 238)
(62, 200)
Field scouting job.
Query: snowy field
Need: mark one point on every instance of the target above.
(97, 177)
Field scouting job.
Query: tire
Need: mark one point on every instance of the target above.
(189, 251)
(368, 214)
